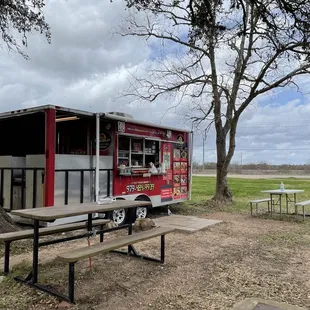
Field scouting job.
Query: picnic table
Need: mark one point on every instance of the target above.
(48, 214)
(279, 193)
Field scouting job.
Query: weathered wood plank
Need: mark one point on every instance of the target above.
(261, 200)
(52, 213)
(110, 245)
(303, 203)
(25, 234)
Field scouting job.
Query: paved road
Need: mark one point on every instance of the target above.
(257, 176)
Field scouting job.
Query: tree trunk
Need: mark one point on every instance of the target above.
(6, 223)
(222, 192)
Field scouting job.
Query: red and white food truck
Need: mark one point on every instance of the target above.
(52, 155)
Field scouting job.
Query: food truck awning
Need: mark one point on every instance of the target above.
(63, 111)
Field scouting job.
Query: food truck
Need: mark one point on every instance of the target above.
(51, 156)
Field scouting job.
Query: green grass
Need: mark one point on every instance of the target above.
(243, 191)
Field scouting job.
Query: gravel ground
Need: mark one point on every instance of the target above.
(212, 269)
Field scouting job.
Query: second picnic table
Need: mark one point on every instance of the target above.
(280, 193)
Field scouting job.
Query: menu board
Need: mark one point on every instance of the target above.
(167, 162)
(180, 172)
(166, 193)
(167, 156)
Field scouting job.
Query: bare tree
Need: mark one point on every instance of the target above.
(229, 53)
(20, 17)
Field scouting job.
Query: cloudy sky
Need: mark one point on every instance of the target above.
(87, 67)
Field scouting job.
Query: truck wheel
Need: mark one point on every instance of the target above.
(141, 212)
(119, 217)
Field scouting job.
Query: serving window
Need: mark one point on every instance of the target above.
(137, 152)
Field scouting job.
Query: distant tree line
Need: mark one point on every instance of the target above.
(252, 166)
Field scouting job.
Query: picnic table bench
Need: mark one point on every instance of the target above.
(9, 237)
(76, 255)
(302, 204)
(257, 201)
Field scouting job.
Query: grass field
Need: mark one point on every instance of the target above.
(243, 191)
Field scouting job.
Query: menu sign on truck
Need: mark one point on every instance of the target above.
(180, 169)
(166, 192)
(140, 130)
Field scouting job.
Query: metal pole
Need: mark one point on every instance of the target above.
(7, 257)
(35, 259)
(97, 191)
(162, 249)
(71, 282)
(190, 150)
(203, 153)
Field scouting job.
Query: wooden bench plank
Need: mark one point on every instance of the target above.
(257, 201)
(303, 203)
(85, 252)
(260, 200)
(25, 234)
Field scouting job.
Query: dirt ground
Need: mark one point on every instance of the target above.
(212, 269)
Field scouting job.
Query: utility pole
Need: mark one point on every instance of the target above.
(203, 154)
(203, 149)
(241, 163)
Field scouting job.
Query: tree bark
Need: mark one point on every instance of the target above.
(6, 223)
(222, 193)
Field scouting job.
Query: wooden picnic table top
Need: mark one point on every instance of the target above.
(284, 191)
(57, 212)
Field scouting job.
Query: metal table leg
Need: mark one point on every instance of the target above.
(35, 259)
(162, 249)
(101, 233)
(71, 282)
(131, 218)
(280, 204)
(89, 229)
(271, 204)
(303, 212)
(90, 222)
(130, 221)
(286, 203)
(6, 257)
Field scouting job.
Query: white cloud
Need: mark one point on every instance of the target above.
(87, 66)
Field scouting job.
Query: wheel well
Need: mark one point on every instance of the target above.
(143, 198)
